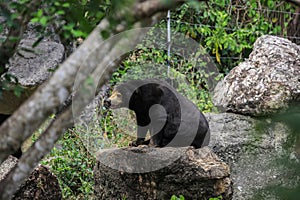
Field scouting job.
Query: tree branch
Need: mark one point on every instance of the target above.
(150, 7)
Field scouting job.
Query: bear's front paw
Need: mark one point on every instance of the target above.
(153, 145)
(143, 146)
(133, 144)
(136, 143)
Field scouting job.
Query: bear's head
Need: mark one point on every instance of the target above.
(115, 100)
(120, 96)
(136, 92)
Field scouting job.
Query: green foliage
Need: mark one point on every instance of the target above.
(227, 30)
(72, 160)
(216, 198)
(74, 19)
(73, 165)
(111, 130)
(5, 85)
(174, 197)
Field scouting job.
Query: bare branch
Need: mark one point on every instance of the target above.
(150, 7)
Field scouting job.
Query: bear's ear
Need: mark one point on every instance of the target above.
(158, 91)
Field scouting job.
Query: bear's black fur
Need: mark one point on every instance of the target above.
(171, 119)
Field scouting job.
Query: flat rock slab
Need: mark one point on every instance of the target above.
(159, 173)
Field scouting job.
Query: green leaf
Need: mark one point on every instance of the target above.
(43, 21)
(66, 5)
(39, 13)
(274, 19)
(57, 3)
(60, 12)
(105, 34)
(18, 91)
(35, 20)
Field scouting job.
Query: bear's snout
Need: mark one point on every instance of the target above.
(107, 103)
(114, 101)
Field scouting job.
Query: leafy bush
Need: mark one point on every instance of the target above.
(216, 198)
(174, 197)
(73, 165)
(228, 29)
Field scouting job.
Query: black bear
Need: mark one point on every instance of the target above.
(170, 118)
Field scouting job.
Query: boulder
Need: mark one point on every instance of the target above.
(31, 66)
(41, 184)
(159, 173)
(254, 150)
(268, 82)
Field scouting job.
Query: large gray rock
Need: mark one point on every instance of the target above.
(31, 66)
(265, 83)
(251, 147)
(159, 173)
